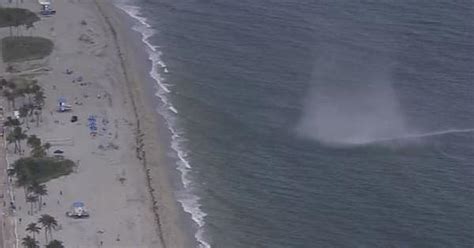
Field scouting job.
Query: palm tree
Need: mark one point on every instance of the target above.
(34, 87)
(40, 151)
(10, 96)
(18, 136)
(40, 191)
(31, 88)
(37, 113)
(32, 200)
(11, 139)
(24, 110)
(29, 242)
(11, 122)
(24, 178)
(48, 222)
(33, 141)
(33, 228)
(47, 146)
(3, 83)
(21, 178)
(37, 150)
(55, 244)
(39, 97)
(21, 92)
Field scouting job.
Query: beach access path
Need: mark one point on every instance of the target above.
(7, 218)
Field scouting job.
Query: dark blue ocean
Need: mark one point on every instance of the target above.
(305, 123)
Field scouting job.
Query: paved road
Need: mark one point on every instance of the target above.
(7, 235)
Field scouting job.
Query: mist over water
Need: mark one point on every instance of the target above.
(357, 105)
(351, 101)
(356, 78)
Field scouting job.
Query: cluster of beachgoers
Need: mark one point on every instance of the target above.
(73, 166)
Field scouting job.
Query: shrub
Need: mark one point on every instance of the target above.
(17, 49)
(31, 169)
(16, 17)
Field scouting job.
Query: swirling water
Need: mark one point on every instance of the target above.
(319, 123)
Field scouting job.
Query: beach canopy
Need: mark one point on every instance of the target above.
(63, 106)
(78, 205)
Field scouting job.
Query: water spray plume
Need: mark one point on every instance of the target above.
(351, 102)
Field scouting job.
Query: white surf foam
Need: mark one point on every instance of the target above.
(173, 109)
(188, 200)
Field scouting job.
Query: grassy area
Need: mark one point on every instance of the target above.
(40, 170)
(17, 17)
(17, 49)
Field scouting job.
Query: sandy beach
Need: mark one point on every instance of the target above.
(119, 175)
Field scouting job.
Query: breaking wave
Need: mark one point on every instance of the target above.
(188, 200)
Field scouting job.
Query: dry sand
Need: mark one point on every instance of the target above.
(111, 177)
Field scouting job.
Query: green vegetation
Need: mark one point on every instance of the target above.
(49, 223)
(10, 122)
(38, 190)
(15, 137)
(18, 49)
(32, 199)
(16, 17)
(30, 172)
(34, 229)
(31, 94)
(29, 242)
(39, 169)
(38, 150)
(55, 244)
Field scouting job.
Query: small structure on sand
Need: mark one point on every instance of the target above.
(63, 106)
(46, 8)
(92, 123)
(16, 114)
(77, 211)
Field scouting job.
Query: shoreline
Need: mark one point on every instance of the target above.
(140, 152)
(139, 33)
(163, 167)
(150, 133)
(148, 191)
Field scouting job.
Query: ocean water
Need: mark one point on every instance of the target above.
(318, 123)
